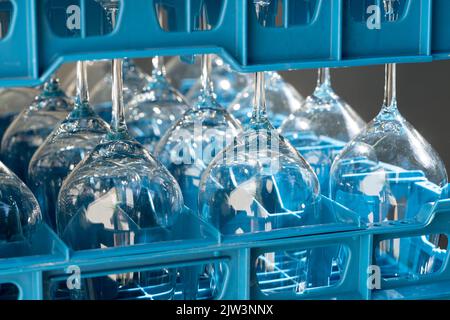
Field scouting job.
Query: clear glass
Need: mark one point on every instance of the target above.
(260, 182)
(203, 131)
(119, 195)
(153, 111)
(321, 126)
(323, 113)
(282, 100)
(64, 148)
(32, 126)
(19, 210)
(12, 102)
(227, 82)
(191, 144)
(388, 171)
(134, 81)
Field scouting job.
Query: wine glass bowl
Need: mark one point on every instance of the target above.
(134, 80)
(191, 144)
(323, 113)
(227, 83)
(321, 126)
(389, 171)
(32, 126)
(282, 100)
(19, 210)
(12, 102)
(257, 184)
(64, 148)
(118, 188)
(153, 111)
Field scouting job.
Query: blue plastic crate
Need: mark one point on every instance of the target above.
(258, 266)
(313, 33)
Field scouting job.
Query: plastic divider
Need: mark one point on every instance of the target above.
(333, 37)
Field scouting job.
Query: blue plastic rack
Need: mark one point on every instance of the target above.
(318, 33)
(313, 33)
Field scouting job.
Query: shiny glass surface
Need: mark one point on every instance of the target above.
(227, 83)
(282, 100)
(12, 102)
(323, 113)
(134, 81)
(155, 109)
(119, 195)
(19, 210)
(388, 171)
(259, 182)
(32, 126)
(64, 148)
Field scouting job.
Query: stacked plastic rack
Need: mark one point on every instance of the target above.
(256, 266)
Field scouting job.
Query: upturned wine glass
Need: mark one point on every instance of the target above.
(134, 80)
(282, 100)
(323, 119)
(192, 142)
(32, 126)
(12, 102)
(379, 171)
(119, 195)
(323, 113)
(259, 182)
(152, 112)
(64, 148)
(227, 83)
(19, 210)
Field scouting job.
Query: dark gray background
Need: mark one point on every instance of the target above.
(423, 94)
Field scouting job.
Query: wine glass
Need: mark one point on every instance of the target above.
(324, 119)
(19, 210)
(153, 111)
(282, 100)
(32, 126)
(192, 142)
(12, 102)
(64, 148)
(134, 80)
(379, 171)
(227, 82)
(259, 182)
(119, 195)
(323, 113)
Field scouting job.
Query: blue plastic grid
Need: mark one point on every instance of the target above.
(333, 33)
(31, 51)
(43, 265)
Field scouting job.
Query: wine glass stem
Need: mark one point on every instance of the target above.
(206, 61)
(118, 111)
(390, 89)
(82, 84)
(259, 108)
(158, 66)
(324, 77)
(207, 86)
